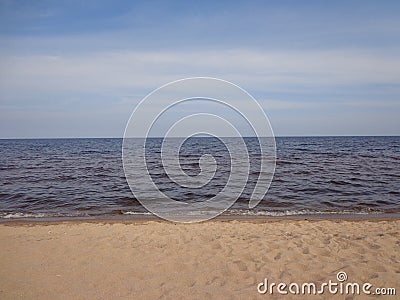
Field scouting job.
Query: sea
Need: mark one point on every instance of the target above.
(84, 178)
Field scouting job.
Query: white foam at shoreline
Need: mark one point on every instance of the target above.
(19, 215)
(23, 215)
(136, 213)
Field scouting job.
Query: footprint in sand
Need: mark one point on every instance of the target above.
(218, 281)
(374, 246)
(374, 275)
(327, 241)
(241, 265)
(216, 245)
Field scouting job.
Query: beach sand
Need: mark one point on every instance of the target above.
(220, 259)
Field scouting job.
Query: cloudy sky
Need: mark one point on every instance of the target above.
(78, 68)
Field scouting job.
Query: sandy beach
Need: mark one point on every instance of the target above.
(220, 259)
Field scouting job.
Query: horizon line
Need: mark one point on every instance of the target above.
(158, 137)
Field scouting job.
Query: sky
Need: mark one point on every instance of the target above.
(79, 68)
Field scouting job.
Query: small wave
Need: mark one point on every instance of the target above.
(288, 162)
(340, 182)
(23, 215)
(298, 212)
(19, 215)
(136, 213)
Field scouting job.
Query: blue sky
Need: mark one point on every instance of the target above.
(78, 68)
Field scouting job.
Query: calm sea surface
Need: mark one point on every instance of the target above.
(85, 177)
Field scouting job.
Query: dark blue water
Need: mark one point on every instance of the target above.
(314, 175)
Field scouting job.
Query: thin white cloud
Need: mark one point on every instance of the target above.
(107, 85)
(259, 70)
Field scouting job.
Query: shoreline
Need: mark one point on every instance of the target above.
(241, 218)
